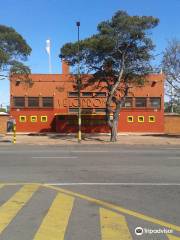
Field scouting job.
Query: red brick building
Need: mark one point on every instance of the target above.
(49, 104)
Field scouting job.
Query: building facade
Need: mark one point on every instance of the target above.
(49, 103)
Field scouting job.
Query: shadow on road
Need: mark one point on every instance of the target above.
(163, 135)
(71, 137)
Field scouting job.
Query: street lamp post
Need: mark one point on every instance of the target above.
(79, 90)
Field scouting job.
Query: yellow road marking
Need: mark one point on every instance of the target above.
(55, 223)
(20, 184)
(171, 237)
(116, 208)
(10, 208)
(113, 226)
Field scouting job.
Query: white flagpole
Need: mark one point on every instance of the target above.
(48, 50)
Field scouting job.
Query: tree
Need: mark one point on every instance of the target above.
(171, 68)
(2, 109)
(117, 55)
(173, 105)
(13, 52)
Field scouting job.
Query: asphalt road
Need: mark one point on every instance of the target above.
(105, 190)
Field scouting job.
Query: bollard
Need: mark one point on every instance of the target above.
(14, 133)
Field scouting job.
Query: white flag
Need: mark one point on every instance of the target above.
(48, 46)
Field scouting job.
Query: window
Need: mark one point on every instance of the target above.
(33, 118)
(47, 102)
(130, 119)
(72, 120)
(141, 102)
(73, 94)
(152, 119)
(87, 94)
(74, 110)
(19, 101)
(140, 119)
(83, 110)
(100, 110)
(128, 102)
(155, 102)
(43, 118)
(86, 110)
(22, 119)
(33, 102)
(61, 118)
(100, 94)
(91, 120)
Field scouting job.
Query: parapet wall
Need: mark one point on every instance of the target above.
(172, 123)
(3, 123)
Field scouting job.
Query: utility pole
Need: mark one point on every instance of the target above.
(79, 89)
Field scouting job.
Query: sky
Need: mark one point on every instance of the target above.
(39, 20)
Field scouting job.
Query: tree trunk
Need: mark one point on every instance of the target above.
(114, 131)
(114, 124)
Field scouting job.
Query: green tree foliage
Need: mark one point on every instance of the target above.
(118, 55)
(13, 51)
(2, 109)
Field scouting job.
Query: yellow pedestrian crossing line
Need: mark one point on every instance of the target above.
(171, 237)
(55, 223)
(113, 226)
(113, 223)
(10, 208)
(117, 208)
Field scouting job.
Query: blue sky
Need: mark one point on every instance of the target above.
(38, 20)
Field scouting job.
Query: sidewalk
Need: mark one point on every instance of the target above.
(55, 139)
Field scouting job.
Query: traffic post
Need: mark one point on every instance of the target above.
(14, 131)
